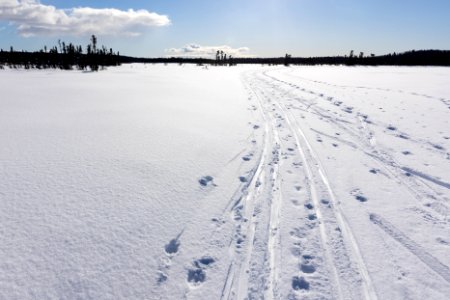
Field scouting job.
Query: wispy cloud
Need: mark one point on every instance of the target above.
(194, 50)
(33, 18)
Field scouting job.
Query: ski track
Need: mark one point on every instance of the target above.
(368, 289)
(245, 217)
(337, 270)
(256, 267)
(428, 259)
(363, 141)
(310, 159)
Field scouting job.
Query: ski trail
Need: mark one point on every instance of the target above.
(432, 262)
(274, 224)
(316, 202)
(325, 259)
(323, 231)
(242, 289)
(253, 274)
(368, 289)
(427, 177)
(380, 156)
(239, 265)
(237, 281)
(388, 90)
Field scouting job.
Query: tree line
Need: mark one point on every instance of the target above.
(409, 58)
(66, 56)
(69, 56)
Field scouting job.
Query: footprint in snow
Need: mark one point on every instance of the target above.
(325, 201)
(206, 180)
(297, 164)
(307, 258)
(442, 241)
(170, 249)
(243, 179)
(309, 206)
(295, 202)
(173, 246)
(204, 262)
(246, 158)
(361, 198)
(438, 147)
(307, 268)
(374, 171)
(162, 277)
(197, 274)
(299, 283)
(348, 110)
(392, 128)
(358, 195)
(312, 217)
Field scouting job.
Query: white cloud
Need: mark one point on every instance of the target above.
(194, 50)
(33, 18)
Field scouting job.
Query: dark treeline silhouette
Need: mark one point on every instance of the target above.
(222, 59)
(64, 56)
(409, 58)
(68, 56)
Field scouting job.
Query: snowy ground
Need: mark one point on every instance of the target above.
(179, 182)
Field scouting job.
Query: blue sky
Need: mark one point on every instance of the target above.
(245, 27)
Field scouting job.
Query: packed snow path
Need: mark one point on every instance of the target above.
(226, 183)
(307, 219)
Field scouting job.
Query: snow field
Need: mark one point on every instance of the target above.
(181, 182)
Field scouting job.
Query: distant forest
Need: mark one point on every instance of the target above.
(68, 56)
(409, 58)
(64, 56)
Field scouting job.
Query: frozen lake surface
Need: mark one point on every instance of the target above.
(181, 182)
